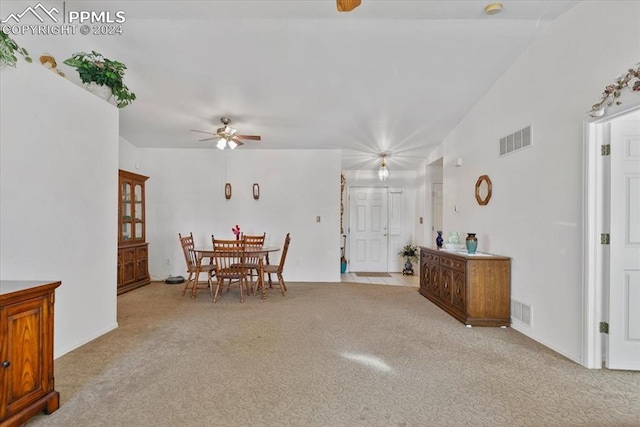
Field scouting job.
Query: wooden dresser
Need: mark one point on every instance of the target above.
(27, 384)
(475, 289)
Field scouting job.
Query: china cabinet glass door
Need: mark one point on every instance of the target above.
(138, 213)
(127, 212)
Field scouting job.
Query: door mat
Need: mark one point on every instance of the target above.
(366, 274)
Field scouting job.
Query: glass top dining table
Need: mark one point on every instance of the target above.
(260, 252)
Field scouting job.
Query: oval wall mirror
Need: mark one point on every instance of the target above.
(483, 190)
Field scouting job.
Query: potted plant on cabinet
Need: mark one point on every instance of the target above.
(8, 50)
(410, 254)
(96, 70)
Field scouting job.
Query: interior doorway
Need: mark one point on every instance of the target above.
(612, 235)
(436, 212)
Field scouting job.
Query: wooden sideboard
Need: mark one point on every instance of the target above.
(475, 289)
(27, 384)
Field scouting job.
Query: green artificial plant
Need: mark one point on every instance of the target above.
(410, 252)
(93, 67)
(8, 50)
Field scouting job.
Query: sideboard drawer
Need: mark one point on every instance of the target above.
(452, 263)
(434, 259)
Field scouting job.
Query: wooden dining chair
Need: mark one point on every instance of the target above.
(190, 258)
(251, 263)
(277, 269)
(229, 260)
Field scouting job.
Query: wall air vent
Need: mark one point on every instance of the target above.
(516, 141)
(521, 312)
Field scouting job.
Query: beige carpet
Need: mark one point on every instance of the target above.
(324, 355)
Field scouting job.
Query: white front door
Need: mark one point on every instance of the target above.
(623, 346)
(368, 229)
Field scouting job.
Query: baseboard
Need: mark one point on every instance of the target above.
(81, 343)
(524, 330)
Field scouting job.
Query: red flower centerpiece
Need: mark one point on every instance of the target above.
(236, 231)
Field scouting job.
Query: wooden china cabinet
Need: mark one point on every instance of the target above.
(133, 250)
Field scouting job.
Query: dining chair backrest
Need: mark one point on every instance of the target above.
(257, 240)
(285, 249)
(229, 258)
(187, 248)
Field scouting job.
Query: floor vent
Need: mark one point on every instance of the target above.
(516, 141)
(521, 312)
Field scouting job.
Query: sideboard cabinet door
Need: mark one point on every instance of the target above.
(26, 353)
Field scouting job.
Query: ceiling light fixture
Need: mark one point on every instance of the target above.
(493, 8)
(226, 143)
(383, 172)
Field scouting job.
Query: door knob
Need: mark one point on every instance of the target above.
(6, 364)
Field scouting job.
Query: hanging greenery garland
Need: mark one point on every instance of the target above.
(612, 92)
(8, 50)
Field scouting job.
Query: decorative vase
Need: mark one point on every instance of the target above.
(100, 91)
(454, 237)
(237, 237)
(408, 268)
(439, 239)
(472, 243)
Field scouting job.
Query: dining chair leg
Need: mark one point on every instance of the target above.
(283, 287)
(240, 286)
(249, 286)
(218, 286)
(186, 285)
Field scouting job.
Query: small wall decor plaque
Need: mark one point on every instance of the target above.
(227, 191)
(256, 191)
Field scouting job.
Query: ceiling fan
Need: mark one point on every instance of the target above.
(347, 5)
(227, 136)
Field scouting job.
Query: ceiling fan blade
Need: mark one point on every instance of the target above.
(208, 139)
(347, 5)
(249, 137)
(201, 131)
(237, 141)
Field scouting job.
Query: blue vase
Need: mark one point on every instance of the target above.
(472, 243)
(439, 239)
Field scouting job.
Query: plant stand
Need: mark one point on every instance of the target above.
(408, 269)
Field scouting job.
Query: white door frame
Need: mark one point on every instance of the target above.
(593, 254)
(434, 226)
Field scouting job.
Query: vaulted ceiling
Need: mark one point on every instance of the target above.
(390, 76)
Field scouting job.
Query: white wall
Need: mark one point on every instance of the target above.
(58, 197)
(185, 193)
(535, 214)
(405, 180)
